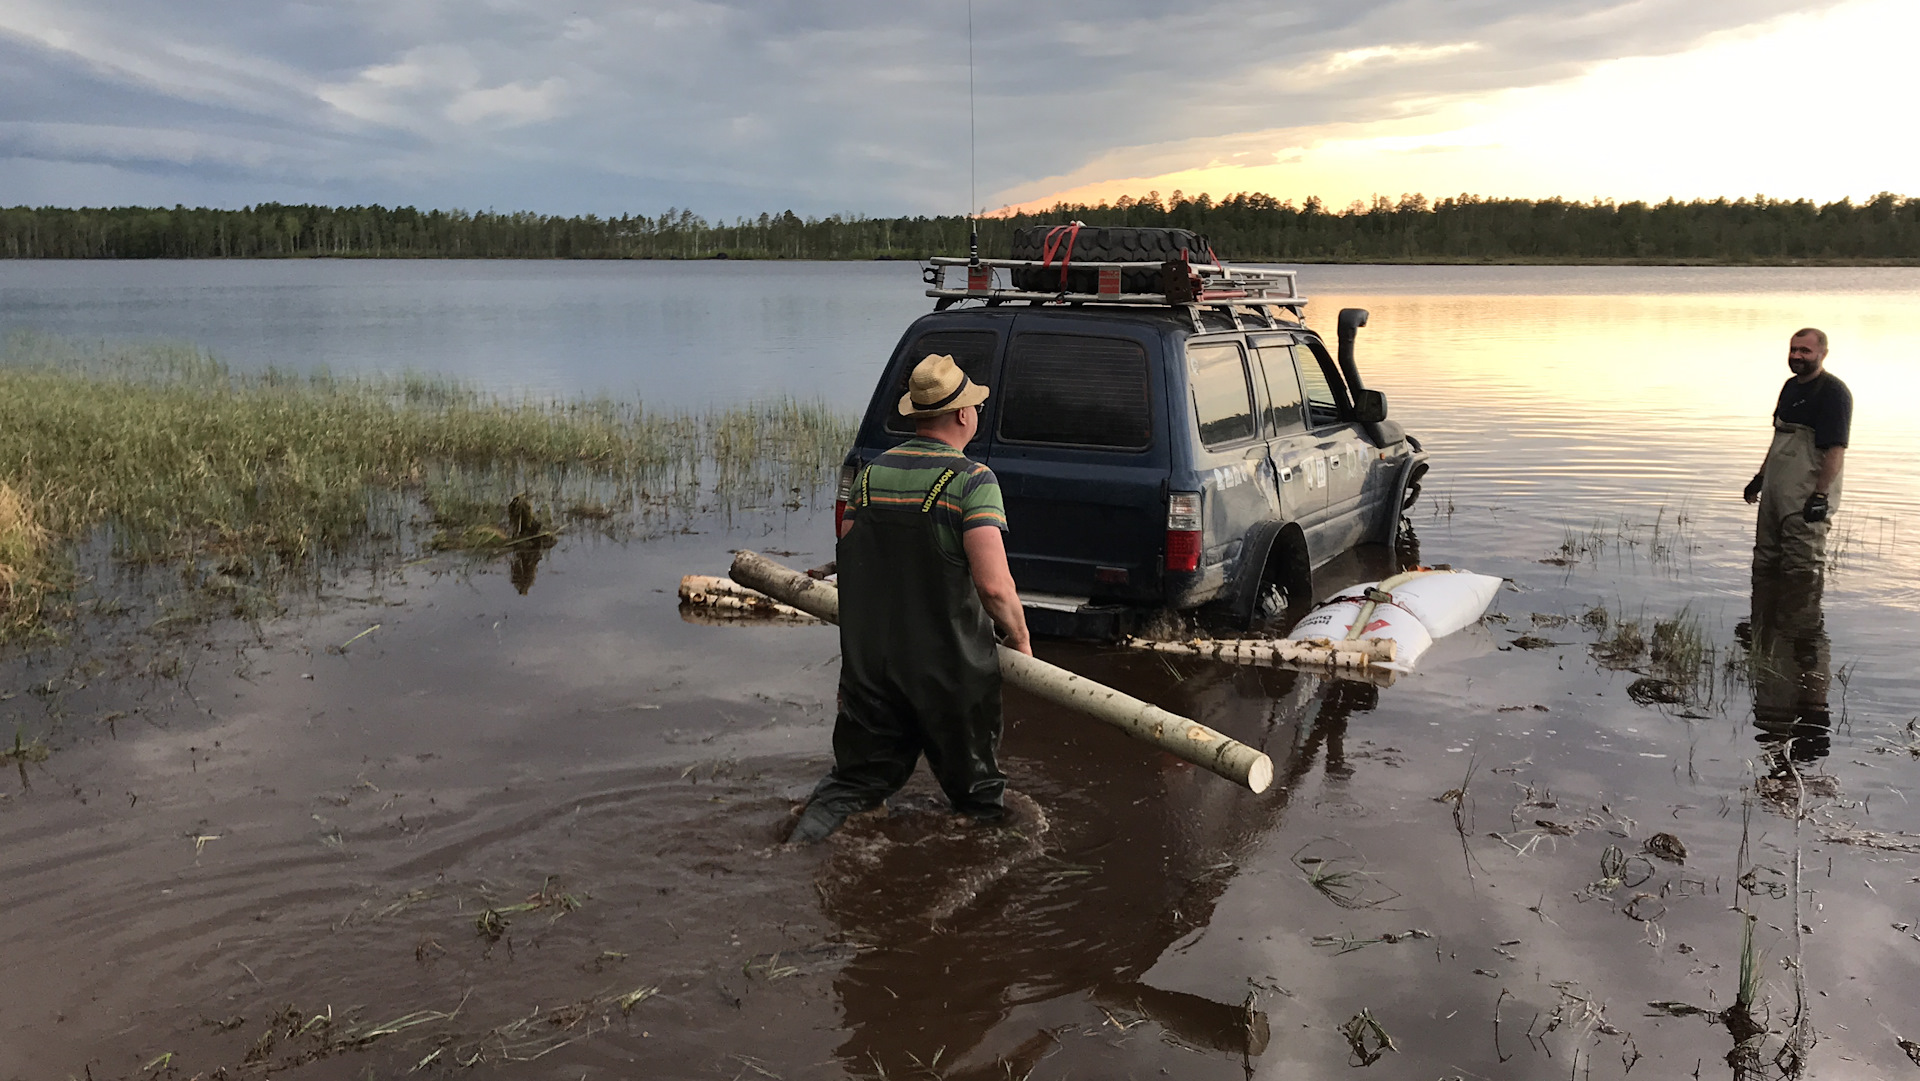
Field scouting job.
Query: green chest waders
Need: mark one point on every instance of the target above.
(918, 671)
(1784, 542)
(1787, 638)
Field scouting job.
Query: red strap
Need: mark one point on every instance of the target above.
(1185, 258)
(1056, 242)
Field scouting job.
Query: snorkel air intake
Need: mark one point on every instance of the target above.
(1351, 320)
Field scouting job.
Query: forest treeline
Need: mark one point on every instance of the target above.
(1246, 227)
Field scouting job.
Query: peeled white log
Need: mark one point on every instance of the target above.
(1188, 740)
(707, 591)
(712, 585)
(1356, 653)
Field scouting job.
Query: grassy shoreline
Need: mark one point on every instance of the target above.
(170, 459)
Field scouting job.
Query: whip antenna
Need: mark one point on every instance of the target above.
(973, 168)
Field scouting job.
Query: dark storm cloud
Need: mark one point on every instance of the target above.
(731, 107)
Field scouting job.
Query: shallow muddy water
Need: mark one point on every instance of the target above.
(273, 850)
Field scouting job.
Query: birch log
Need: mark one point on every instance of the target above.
(1185, 739)
(726, 595)
(1319, 652)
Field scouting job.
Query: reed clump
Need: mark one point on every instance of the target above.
(25, 562)
(167, 456)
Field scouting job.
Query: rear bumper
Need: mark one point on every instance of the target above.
(1054, 616)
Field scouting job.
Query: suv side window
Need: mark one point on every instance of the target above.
(1076, 390)
(1286, 413)
(1222, 397)
(1323, 400)
(971, 349)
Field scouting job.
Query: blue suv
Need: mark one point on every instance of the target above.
(1196, 446)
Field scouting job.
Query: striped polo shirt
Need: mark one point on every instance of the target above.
(902, 477)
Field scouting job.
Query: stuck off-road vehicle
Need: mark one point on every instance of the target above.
(1167, 431)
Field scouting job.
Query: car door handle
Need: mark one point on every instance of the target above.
(1333, 459)
(1286, 474)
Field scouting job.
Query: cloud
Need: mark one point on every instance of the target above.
(432, 85)
(1717, 120)
(1395, 54)
(732, 107)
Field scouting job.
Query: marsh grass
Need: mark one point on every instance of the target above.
(168, 458)
(1665, 541)
(1681, 650)
(27, 568)
(1677, 655)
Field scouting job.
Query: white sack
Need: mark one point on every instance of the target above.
(1432, 605)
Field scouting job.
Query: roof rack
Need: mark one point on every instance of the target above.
(1210, 285)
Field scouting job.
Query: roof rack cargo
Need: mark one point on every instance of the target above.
(1224, 287)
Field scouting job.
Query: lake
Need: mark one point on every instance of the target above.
(311, 824)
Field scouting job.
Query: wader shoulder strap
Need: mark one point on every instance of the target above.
(933, 493)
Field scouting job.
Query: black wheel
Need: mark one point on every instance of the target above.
(1287, 579)
(1406, 545)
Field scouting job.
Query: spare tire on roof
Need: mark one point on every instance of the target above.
(1101, 244)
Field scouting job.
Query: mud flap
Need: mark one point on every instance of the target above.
(1410, 476)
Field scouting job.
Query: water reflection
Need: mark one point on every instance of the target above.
(526, 564)
(1789, 660)
(985, 942)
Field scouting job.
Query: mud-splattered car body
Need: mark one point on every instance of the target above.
(1162, 457)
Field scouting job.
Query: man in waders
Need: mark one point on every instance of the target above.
(923, 583)
(1799, 484)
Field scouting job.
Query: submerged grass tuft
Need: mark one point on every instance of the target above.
(1676, 655)
(167, 457)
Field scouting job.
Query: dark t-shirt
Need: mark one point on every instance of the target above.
(1823, 404)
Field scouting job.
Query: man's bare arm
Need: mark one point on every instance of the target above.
(1831, 460)
(987, 557)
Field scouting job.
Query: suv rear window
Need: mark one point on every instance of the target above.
(1077, 390)
(971, 349)
(1222, 397)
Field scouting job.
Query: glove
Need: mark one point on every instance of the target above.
(1816, 509)
(1752, 494)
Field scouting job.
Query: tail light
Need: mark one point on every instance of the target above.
(841, 494)
(1183, 531)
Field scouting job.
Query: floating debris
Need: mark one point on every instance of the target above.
(493, 921)
(1366, 1038)
(1347, 943)
(635, 997)
(1667, 847)
(1651, 691)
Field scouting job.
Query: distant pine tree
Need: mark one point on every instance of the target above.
(1246, 226)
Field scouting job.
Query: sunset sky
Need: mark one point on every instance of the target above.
(860, 106)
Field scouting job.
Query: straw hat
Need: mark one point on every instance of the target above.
(937, 387)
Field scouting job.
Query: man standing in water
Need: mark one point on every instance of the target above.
(923, 582)
(1799, 484)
